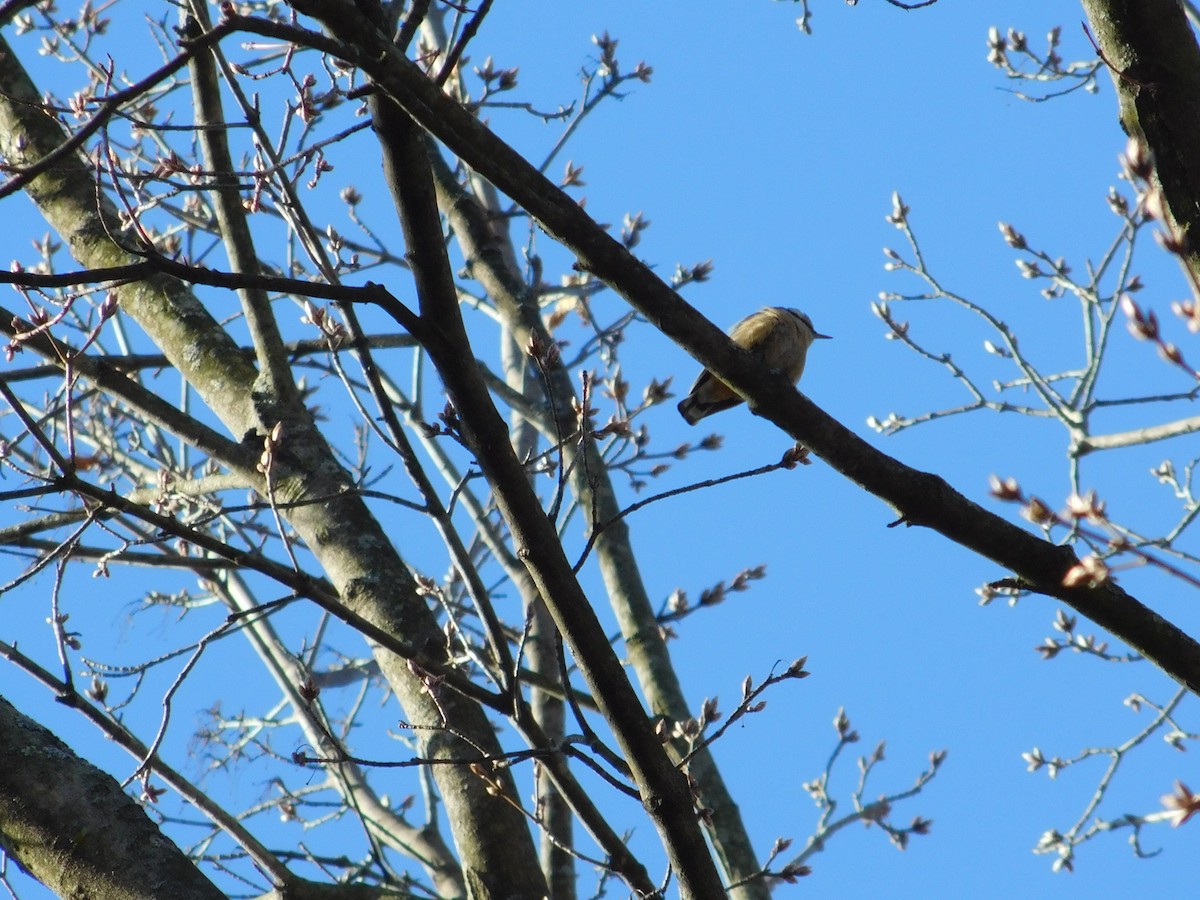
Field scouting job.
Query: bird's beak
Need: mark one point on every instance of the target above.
(827, 337)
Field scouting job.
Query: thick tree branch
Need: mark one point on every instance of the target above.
(1154, 59)
(57, 817)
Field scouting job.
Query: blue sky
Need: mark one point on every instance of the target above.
(776, 154)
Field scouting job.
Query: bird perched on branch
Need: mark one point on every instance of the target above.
(778, 335)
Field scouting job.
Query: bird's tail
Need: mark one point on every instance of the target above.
(692, 410)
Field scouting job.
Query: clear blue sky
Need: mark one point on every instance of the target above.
(775, 154)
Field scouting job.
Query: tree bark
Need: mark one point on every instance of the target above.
(1154, 61)
(73, 829)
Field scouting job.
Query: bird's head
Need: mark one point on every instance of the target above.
(807, 324)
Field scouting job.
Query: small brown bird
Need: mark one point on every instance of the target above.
(778, 335)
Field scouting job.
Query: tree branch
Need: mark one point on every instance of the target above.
(664, 790)
(919, 498)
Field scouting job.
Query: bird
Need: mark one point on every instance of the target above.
(778, 335)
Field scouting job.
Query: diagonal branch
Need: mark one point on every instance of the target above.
(919, 498)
